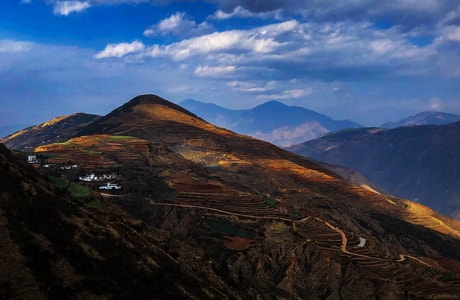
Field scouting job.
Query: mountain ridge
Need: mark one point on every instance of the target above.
(258, 220)
(416, 162)
(424, 118)
(272, 121)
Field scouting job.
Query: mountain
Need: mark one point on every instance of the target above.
(213, 113)
(419, 163)
(56, 130)
(425, 118)
(248, 219)
(272, 121)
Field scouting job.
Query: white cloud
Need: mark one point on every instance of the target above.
(244, 86)
(237, 11)
(67, 7)
(287, 94)
(9, 46)
(240, 12)
(120, 50)
(451, 34)
(178, 24)
(260, 40)
(207, 71)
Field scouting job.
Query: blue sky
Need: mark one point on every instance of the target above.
(368, 61)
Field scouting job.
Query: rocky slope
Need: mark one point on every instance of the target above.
(260, 220)
(419, 163)
(56, 130)
(272, 121)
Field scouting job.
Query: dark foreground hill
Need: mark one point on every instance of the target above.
(56, 130)
(248, 219)
(55, 246)
(419, 163)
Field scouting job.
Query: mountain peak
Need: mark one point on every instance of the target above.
(151, 99)
(146, 113)
(272, 104)
(150, 108)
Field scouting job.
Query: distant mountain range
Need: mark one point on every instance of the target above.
(421, 163)
(206, 213)
(425, 118)
(272, 121)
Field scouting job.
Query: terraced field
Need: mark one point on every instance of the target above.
(98, 151)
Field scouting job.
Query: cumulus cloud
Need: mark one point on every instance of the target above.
(207, 71)
(287, 94)
(291, 49)
(261, 40)
(178, 24)
(240, 12)
(450, 34)
(67, 7)
(10, 46)
(250, 87)
(407, 14)
(120, 50)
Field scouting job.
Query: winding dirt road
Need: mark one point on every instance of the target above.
(343, 246)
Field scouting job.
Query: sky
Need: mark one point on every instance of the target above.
(363, 60)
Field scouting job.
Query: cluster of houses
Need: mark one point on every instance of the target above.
(33, 159)
(93, 177)
(108, 186)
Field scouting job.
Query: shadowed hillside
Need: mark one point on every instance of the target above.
(58, 246)
(419, 163)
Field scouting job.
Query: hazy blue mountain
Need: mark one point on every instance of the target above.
(213, 113)
(425, 118)
(272, 121)
(420, 163)
(273, 114)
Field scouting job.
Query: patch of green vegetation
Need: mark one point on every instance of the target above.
(228, 228)
(446, 276)
(78, 191)
(93, 152)
(270, 201)
(171, 196)
(97, 204)
(68, 142)
(60, 183)
(120, 137)
(296, 213)
(75, 190)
